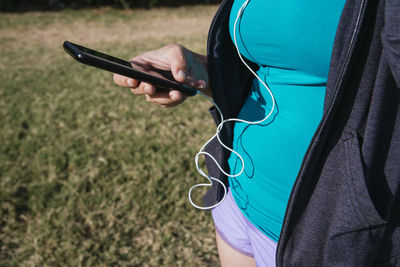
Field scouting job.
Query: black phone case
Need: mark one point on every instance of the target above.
(122, 67)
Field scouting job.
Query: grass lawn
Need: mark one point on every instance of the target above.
(91, 175)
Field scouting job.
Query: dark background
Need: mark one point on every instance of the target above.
(43, 5)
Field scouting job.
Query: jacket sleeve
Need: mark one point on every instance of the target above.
(391, 37)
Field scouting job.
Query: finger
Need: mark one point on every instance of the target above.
(166, 98)
(125, 81)
(176, 96)
(198, 84)
(181, 62)
(144, 88)
(148, 88)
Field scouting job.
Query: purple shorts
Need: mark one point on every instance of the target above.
(236, 230)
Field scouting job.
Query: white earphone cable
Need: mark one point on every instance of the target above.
(219, 128)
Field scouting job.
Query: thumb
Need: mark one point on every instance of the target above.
(180, 65)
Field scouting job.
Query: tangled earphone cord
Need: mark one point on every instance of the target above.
(219, 129)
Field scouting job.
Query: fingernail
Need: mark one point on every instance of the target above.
(182, 75)
(201, 84)
(130, 82)
(174, 96)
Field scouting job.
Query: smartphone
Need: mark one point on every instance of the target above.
(161, 79)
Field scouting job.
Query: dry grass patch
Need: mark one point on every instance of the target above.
(89, 174)
(134, 26)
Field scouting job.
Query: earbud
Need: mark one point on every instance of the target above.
(219, 128)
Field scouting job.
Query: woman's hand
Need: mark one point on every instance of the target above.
(186, 67)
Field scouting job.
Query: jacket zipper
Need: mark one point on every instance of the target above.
(325, 117)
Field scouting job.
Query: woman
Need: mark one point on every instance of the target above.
(321, 179)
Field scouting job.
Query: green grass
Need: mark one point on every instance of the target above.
(91, 175)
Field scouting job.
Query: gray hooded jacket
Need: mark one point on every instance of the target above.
(344, 209)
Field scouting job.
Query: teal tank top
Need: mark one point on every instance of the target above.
(291, 41)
